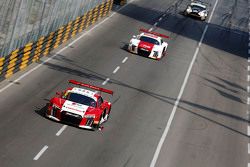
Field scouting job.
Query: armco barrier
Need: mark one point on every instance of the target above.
(20, 58)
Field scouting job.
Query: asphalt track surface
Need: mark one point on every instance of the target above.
(210, 124)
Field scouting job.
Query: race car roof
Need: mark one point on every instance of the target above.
(84, 92)
(198, 4)
(150, 36)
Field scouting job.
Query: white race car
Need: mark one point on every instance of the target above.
(197, 9)
(148, 44)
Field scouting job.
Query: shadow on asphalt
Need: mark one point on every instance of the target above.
(85, 73)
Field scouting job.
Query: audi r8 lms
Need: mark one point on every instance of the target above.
(197, 9)
(148, 44)
(80, 107)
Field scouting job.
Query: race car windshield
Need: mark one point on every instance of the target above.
(78, 98)
(197, 7)
(149, 40)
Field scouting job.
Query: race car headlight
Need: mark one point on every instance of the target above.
(189, 9)
(89, 116)
(201, 13)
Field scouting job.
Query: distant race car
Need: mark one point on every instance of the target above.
(198, 9)
(148, 44)
(80, 107)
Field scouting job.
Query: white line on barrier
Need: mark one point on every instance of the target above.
(61, 130)
(40, 152)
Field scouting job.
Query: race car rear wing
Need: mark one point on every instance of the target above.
(91, 86)
(154, 33)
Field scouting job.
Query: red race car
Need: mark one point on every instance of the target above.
(80, 107)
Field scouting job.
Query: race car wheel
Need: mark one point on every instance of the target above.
(104, 114)
(96, 127)
(164, 52)
(108, 114)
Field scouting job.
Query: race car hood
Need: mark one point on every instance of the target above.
(146, 46)
(75, 108)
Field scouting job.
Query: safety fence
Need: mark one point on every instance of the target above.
(20, 58)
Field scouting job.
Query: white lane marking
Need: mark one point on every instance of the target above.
(116, 69)
(248, 78)
(248, 51)
(248, 89)
(150, 29)
(164, 135)
(248, 100)
(248, 165)
(248, 68)
(160, 18)
(124, 60)
(61, 130)
(61, 50)
(156, 24)
(248, 130)
(248, 148)
(248, 44)
(41, 152)
(248, 60)
(106, 81)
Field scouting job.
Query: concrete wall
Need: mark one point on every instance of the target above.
(25, 21)
(49, 36)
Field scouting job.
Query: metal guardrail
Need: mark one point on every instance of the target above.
(20, 58)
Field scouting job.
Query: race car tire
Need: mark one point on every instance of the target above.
(164, 52)
(108, 114)
(96, 127)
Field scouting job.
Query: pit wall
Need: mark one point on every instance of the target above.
(20, 58)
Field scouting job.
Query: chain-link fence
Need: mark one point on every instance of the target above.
(24, 21)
